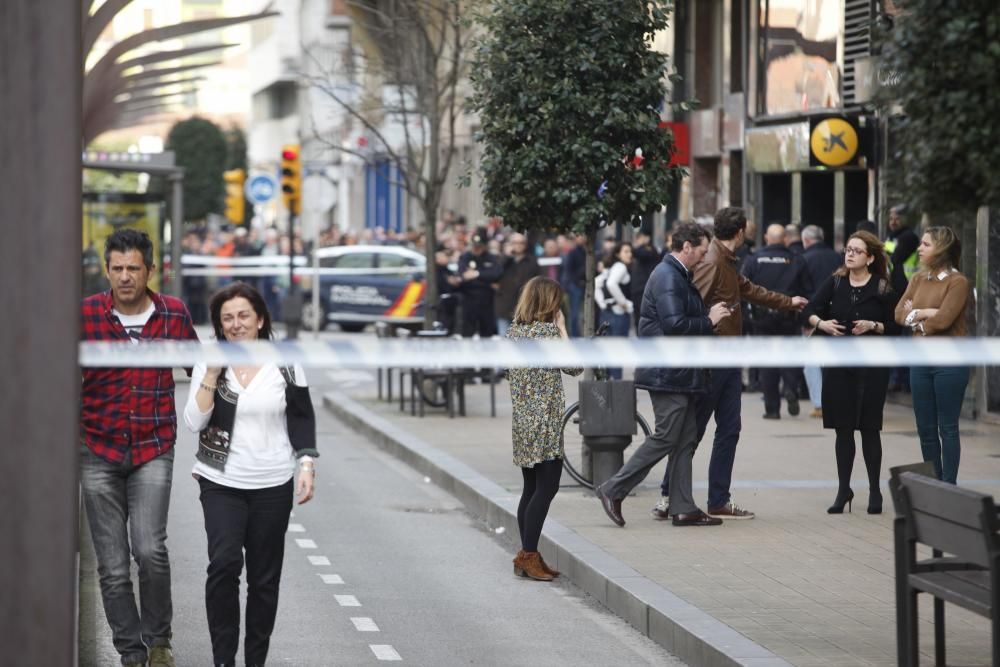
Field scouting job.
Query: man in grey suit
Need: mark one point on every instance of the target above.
(671, 306)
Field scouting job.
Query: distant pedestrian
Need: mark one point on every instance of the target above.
(612, 295)
(478, 270)
(793, 238)
(857, 300)
(935, 304)
(519, 266)
(671, 306)
(573, 280)
(901, 246)
(645, 258)
(128, 429)
(778, 269)
(538, 404)
(820, 262)
(256, 427)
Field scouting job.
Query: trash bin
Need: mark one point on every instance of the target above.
(607, 424)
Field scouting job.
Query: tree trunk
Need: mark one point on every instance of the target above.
(431, 276)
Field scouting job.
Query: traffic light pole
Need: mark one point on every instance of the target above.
(291, 309)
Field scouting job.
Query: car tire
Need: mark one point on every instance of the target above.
(309, 316)
(352, 327)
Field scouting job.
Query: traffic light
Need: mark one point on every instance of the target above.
(291, 177)
(235, 201)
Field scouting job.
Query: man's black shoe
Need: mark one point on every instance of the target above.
(613, 508)
(696, 518)
(793, 403)
(772, 415)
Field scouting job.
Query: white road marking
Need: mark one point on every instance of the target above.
(296, 528)
(384, 652)
(347, 601)
(331, 578)
(364, 624)
(319, 560)
(305, 544)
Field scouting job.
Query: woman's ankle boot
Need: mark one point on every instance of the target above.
(545, 566)
(530, 565)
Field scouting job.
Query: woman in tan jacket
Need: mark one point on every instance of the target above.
(935, 304)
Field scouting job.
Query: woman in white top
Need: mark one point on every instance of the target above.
(611, 294)
(255, 422)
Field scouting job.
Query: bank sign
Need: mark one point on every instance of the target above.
(838, 141)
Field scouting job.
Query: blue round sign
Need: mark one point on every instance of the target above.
(261, 188)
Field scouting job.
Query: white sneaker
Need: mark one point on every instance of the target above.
(661, 512)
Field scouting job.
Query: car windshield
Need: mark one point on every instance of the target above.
(356, 260)
(393, 261)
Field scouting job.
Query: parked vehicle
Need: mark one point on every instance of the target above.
(381, 284)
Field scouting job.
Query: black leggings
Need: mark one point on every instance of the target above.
(541, 484)
(871, 447)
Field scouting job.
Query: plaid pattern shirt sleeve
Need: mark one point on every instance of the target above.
(128, 414)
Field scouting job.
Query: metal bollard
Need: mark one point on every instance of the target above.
(607, 424)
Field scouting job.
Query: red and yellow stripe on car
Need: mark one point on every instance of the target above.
(409, 298)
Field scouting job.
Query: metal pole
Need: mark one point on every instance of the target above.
(176, 229)
(40, 76)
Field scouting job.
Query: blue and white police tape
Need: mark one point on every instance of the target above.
(676, 352)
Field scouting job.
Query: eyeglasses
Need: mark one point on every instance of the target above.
(854, 251)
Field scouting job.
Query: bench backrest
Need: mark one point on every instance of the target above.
(954, 520)
(925, 468)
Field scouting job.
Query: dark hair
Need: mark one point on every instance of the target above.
(688, 232)
(729, 221)
(876, 250)
(234, 291)
(124, 240)
(612, 256)
(866, 226)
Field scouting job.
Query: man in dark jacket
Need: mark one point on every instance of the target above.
(478, 269)
(645, 258)
(776, 268)
(671, 306)
(819, 259)
(573, 280)
(518, 268)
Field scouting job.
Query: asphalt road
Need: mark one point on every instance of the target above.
(383, 566)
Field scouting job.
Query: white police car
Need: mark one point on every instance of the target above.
(362, 284)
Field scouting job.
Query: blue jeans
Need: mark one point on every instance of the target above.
(723, 400)
(619, 325)
(575, 293)
(814, 380)
(125, 501)
(938, 393)
(502, 325)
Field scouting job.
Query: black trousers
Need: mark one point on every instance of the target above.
(777, 381)
(478, 316)
(237, 521)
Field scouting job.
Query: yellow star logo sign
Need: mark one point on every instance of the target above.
(834, 142)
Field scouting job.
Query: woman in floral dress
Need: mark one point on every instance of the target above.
(538, 404)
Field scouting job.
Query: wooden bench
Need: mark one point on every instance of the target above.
(962, 524)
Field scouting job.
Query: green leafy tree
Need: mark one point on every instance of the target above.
(201, 149)
(566, 91)
(945, 60)
(236, 148)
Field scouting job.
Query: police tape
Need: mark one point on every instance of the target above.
(670, 351)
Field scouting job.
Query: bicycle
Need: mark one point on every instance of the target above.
(575, 452)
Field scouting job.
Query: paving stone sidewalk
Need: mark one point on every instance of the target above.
(813, 588)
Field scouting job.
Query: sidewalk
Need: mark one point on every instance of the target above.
(798, 586)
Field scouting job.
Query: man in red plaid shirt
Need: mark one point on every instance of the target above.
(128, 428)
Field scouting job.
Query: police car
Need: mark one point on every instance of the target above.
(362, 284)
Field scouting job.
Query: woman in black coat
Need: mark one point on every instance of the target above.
(857, 300)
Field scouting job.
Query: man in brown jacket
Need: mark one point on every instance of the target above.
(718, 279)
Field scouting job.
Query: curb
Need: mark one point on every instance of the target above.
(686, 631)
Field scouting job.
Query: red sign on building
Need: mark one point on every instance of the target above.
(682, 143)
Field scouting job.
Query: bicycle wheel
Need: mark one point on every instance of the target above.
(575, 454)
(433, 391)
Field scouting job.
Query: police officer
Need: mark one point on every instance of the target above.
(776, 268)
(901, 246)
(478, 269)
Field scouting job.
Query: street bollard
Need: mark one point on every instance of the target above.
(607, 424)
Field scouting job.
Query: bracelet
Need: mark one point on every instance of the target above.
(208, 387)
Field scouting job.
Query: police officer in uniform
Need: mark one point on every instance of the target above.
(776, 268)
(478, 269)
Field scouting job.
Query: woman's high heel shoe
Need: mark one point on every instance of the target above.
(843, 498)
(875, 502)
